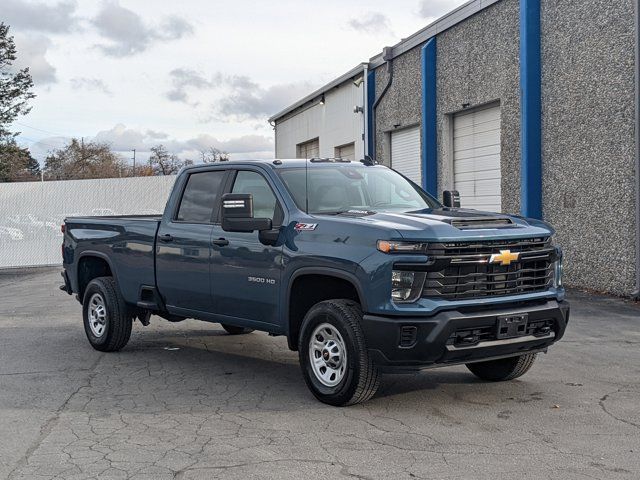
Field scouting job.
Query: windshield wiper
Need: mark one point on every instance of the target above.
(353, 212)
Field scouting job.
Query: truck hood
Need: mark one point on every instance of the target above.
(455, 224)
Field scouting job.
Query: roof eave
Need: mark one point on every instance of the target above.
(324, 89)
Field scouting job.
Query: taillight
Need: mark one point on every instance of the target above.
(62, 228)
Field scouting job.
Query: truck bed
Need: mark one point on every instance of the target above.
(126, 242)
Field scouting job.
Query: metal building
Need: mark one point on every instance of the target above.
(327, 123)
(526, 107)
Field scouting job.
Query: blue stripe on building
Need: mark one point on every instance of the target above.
(371, 98)
(429, 118)
(531, 109)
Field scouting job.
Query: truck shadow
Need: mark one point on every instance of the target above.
(253, 366)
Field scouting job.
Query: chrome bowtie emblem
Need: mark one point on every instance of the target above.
(505, 257)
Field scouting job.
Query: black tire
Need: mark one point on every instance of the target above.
(233, 330)
(116, 329)
(360, 379)
(503, 369)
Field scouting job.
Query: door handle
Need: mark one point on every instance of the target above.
(165, 238)
(221, 242)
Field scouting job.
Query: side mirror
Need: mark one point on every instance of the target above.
(237, 214)
(451, 198)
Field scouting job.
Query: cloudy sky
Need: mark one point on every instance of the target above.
(190, 74)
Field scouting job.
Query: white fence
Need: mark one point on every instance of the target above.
(31, 213)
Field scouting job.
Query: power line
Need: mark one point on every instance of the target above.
(40, 129)
(37, 141)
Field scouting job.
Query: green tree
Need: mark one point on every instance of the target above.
(15, 86)
(80, 160)
(16, 163)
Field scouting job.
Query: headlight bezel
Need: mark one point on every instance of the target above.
(403, 291)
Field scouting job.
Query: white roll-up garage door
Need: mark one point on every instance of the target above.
(476, 158)
(405, 153)
(348, 151)
(310, 149)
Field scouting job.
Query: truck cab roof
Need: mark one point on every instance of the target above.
(291, 162)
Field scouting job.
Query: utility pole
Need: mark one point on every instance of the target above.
(134, 162)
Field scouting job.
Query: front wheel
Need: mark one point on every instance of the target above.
(106, 320)
(333, 355)
(503, 369)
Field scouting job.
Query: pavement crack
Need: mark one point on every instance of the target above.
(604, 409)
(51, 423)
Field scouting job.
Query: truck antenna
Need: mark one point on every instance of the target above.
(306, 187)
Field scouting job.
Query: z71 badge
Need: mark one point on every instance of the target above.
(305, 226)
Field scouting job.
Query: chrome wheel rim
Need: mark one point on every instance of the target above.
(328, 355)
(97, 315)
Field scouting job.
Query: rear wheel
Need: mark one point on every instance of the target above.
(503, 369)
(107, 322)
(233, 330)
(333, 355)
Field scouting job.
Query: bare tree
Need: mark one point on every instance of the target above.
(164, 163)
(80, 160)
(213, 155)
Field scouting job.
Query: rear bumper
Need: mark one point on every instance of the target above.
(414, 343)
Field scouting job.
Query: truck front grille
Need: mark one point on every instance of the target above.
(466, 272)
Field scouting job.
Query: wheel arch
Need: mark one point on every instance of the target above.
(303, 293)
(92, 264)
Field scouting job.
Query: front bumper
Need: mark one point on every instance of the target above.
(414, 343)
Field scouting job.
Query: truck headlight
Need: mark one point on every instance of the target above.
(392, 246)
(406, 286)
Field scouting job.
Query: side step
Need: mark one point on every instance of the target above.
(149, 299)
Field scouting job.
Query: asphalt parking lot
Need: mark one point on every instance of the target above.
(188, 401)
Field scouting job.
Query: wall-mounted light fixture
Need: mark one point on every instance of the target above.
(322, 99)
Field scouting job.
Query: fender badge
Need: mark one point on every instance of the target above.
(300, 227)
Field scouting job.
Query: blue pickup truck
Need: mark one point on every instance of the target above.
(360, 269)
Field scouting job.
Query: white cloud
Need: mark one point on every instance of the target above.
(90, 84)
(243, 98)
(436, 8)
(265, 63)
(128, 34)
(123, 139)
(40, 16)
(31, 52)
(372, 23)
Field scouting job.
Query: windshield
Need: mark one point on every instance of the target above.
(340, 189)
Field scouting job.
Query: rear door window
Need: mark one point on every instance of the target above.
(200, 197)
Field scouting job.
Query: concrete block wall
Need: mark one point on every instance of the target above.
(588, 138)
(478, 63)
(587, 121)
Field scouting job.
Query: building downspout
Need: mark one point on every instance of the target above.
(636, 293)
(387, 56)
